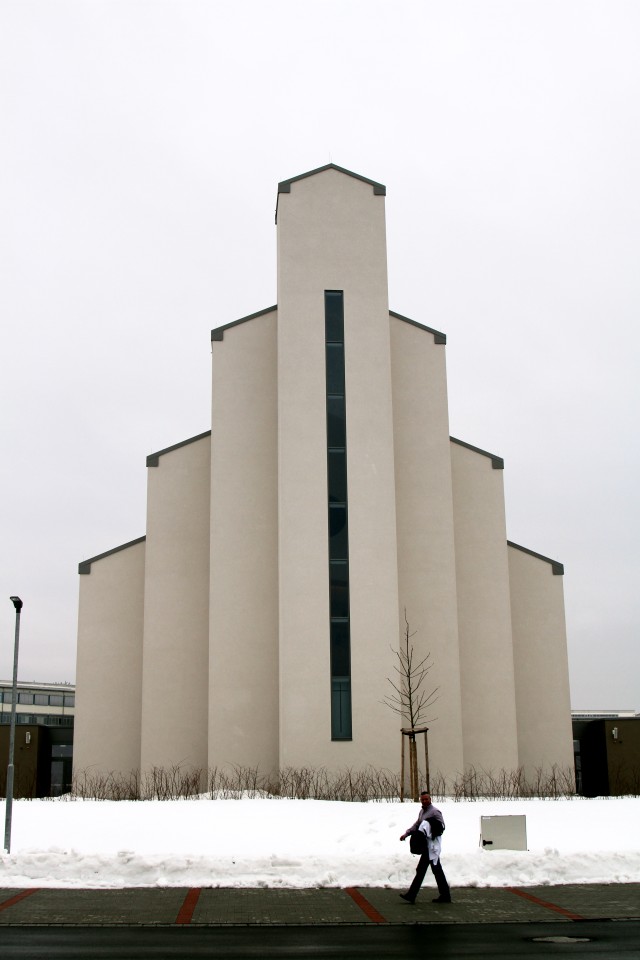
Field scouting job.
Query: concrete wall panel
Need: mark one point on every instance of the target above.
(543, 701)
(243, 667)
(109, 665)
(176, 611)
(490, 739)
(424, 514)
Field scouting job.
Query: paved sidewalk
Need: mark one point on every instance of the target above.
(224, 906)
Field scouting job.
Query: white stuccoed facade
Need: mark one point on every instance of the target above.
(207, 643)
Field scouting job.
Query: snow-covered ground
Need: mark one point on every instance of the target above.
(309, 843)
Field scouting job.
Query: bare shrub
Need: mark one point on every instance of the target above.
(95, 785)
(237, 782)
(316, 783)
(171, 783)
(479, 784)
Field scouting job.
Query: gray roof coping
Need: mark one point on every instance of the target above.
(85, 565)
(438, 337)
(218, 332)
(153, 460)
(557, 568)
(496, 462)
(379, 189)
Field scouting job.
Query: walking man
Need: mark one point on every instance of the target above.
(432, 831)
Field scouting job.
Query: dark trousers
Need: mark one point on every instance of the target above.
(421, 870)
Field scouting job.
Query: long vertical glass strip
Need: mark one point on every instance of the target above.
(338, 517)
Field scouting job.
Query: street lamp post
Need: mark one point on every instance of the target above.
(17, 603)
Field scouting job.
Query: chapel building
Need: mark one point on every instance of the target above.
(254, 622)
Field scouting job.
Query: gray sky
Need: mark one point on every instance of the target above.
(142, 144)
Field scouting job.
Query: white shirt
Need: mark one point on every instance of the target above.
(433, 843)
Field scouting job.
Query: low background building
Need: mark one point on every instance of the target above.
(607, 752)
(43, 751)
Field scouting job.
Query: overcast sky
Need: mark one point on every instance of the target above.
(142, 145)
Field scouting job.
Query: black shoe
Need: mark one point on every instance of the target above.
(405, 896)
(440, 900)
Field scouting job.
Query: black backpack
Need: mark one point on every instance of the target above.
(437, 826)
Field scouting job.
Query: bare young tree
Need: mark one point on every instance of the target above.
(411, 700)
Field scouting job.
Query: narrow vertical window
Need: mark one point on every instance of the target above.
(338, 518)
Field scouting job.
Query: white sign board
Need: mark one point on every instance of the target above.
(503, 833)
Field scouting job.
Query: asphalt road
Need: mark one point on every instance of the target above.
(588, 940)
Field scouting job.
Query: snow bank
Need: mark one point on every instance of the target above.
(309, 843)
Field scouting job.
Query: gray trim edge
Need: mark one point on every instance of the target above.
(84, 566)
(438, 337)
(153, 460)
(496, 462)
(379, 189)
(556, 566)
(218, 332)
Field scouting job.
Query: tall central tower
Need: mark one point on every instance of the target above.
(336, 501)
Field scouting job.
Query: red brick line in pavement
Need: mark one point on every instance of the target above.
(366, 907)
(545, 903)
(17, 898)
(185, 912)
